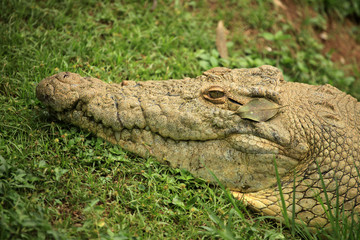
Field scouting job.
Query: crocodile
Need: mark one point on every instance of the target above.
(236, 124)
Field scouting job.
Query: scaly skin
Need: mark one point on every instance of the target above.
(194, 123)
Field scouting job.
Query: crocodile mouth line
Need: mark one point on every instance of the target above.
(89, 123)
(252, 144)
(145, 136)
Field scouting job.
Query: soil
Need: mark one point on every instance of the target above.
(335, 35)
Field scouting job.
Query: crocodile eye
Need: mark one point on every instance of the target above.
(215, 94)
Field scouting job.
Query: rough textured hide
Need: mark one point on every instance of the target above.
(194, 123)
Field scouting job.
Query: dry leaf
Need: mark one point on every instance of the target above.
(154, 5)
(221, 33)
(279, 4)
(259, 110)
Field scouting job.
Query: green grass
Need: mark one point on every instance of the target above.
(59, 182)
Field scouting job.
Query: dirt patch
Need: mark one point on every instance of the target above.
(335, 35)
(346, 49)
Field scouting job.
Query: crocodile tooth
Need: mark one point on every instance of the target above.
(117, 136)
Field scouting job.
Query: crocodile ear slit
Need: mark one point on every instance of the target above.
(234, 101)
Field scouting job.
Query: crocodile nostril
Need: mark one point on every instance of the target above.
(44, 91)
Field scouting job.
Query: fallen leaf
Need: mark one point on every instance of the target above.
(154, 5)
(279, 4)
(101, 223)
(221, 33)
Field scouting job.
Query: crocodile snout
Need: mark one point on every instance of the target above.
(57, 91)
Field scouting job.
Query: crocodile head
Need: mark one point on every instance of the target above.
(191, 123)
(232, 122)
